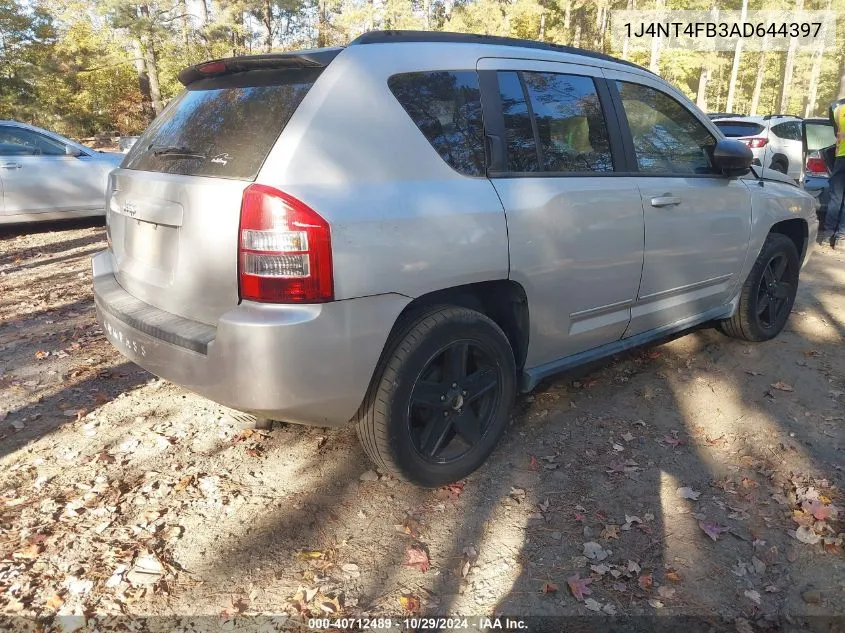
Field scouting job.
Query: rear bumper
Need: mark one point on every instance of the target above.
(310, 364)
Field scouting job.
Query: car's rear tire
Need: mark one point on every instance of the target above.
(441, 397)
(768, 293)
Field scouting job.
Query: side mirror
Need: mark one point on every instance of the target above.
(70, 150)
(732, 158)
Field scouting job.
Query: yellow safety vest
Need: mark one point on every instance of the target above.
(839, 127)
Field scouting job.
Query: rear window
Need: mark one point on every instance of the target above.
(222, 127)
(734, 129)
(819, 135)
(446, 107)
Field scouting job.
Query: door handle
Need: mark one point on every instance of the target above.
(11, 166)
(666, 200)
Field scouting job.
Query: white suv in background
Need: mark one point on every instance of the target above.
(774, 139)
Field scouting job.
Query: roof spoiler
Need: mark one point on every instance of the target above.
(317, 58)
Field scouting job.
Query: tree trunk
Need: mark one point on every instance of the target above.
(267, 20)
(427, 9)
(788, 67)
(576, 37)
(567, 18)
(701, 95)
(322, 25)
(654, 61)
(185, 19)
(148, 48)
(735, 68)
(841, 94)
(758, 83)
(203, 5)
(143, 80)
(631, 6)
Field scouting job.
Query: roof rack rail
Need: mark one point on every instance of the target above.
(396, 36)
(778, 116)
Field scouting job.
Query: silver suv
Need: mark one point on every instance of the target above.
(406, 232)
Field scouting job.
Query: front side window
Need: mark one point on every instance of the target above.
(668, 138)
(570, 125)
(20, 142)
(446, 107)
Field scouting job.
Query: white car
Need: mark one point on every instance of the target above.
(45, 176)
(774, 139)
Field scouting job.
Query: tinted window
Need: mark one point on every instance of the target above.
(570, 124)
(735, 129)
(446, 107)
(819, 135)
(790, 130)
(19, 142)
(519, 133)
(222, 127)
(667, 137)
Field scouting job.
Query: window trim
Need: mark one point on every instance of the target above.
(484, 127)
(495, 124)
(16, 128)
(628, 137)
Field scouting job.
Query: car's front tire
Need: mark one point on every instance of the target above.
(768, 293)
(441, 398)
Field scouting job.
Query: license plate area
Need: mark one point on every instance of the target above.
(155, 246)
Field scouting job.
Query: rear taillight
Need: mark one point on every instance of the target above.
(285, 250)
(756, 142)
(815, 165)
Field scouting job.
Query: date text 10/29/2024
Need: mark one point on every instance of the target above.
(419, 624)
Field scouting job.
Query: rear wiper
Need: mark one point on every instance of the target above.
(175, 152)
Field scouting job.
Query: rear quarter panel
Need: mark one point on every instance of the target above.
(402, 220)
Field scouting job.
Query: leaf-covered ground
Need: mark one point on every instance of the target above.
(700, 477)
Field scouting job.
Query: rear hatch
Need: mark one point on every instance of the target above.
(174, 205)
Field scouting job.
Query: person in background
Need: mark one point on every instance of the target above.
(834, 224)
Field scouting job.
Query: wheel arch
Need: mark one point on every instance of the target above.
(797, 230)
(504, 301)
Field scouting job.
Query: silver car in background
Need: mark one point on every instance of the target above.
(406, 232)
(45, 176)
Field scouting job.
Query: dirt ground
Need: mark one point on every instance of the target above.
(700, 478)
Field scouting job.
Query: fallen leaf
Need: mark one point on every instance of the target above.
(688, 493)
(609, 609)
(549, 588)
(411, 604)
(713, 530)
(655, 603)
(592, 604)
(753, 595)
(455, 489)
(634, 567)
(54, 602)
(594, 551)
(517, 494)
(416, 558)
(819, 510)
(666, 592)
(578, 586)
(609, 532)
(806, 535)
(645, 581)
(351, 569)
(782, 386)
(672, 575)
(628, 436)
(672, 441)
(147, 570)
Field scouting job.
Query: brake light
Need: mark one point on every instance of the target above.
(816, 165)
(212, 68)
(285, 251)
(755, 143)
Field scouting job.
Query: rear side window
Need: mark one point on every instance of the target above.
(446, 107)
(790, 130)
(736, 129)
(519, 130)
(222, 127)
(570, 125)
